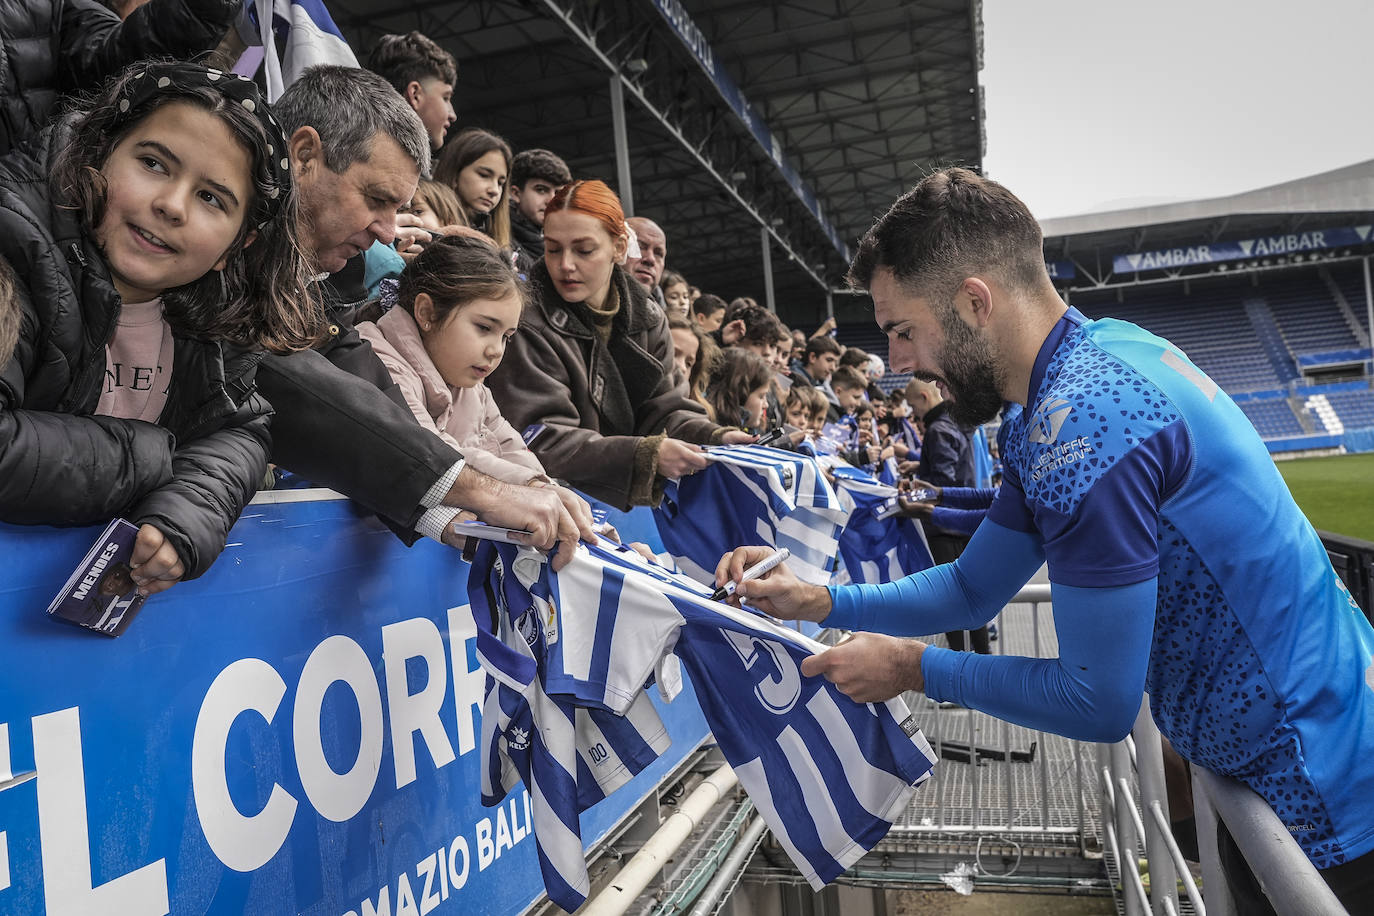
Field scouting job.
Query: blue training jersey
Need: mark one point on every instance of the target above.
(1131, 464)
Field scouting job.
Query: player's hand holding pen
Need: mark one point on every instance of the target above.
(776, 592)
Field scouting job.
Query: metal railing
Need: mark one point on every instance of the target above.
(1013, 803)
(1285, 874)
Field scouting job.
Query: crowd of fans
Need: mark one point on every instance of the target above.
(204, 294)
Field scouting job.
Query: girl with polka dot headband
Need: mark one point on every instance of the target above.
(152, 236)
(248, 283)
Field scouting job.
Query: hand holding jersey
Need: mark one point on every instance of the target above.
(677, 459)
(551, 514)
(866, 667)
(870, 667)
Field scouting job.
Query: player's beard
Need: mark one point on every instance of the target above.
(971, 372)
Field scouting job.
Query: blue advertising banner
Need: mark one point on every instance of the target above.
(295, 732)
(691, 36)
(1061, 270)
(1260, 247)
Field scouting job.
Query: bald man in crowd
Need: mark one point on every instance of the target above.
(653, 254)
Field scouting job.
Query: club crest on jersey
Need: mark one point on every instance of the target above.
(527, 625)
(1046, 420)
(517, 739)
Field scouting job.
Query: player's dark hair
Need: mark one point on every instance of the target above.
(953, 225)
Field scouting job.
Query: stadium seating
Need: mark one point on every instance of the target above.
(1355, 408)
(1350, 279)
(1211, 324)
(1272, 417)
(1307, 314)
(1247, 332)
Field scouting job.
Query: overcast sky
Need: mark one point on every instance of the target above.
(1099, 104)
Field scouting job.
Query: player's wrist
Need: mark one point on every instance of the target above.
(915, 652)
(818, 604)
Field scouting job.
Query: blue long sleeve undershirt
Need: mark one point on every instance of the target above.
(967, 497)
(960, 521)
(1090, 692)
(962, 509)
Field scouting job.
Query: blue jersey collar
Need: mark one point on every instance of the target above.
(1071, 320)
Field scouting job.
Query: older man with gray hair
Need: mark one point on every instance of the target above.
(357, 151)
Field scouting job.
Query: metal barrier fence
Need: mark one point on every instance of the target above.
(1137, 834)
(1005, 801)
(1007, 807)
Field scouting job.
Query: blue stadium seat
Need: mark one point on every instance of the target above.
(1355, 408)
(1245, 333)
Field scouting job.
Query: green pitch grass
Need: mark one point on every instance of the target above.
(1336, 493)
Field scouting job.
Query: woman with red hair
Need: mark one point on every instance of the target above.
(589, 375)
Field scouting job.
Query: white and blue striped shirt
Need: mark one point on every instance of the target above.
(876, 550)
(827, 774)
(753, 495)
(568, 757)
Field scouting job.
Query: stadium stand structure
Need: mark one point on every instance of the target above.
(1255, 335)
(1267, 291)
(736, 117)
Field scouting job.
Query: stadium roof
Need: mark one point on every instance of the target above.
(1344, 190)
(804, 119)
(1325, 216)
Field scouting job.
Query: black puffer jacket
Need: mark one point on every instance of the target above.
(528, 239)
(52, 47)
(191, 473)
(343, 422)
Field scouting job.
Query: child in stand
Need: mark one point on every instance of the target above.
(694, 354)
(153, 239)
(850, 388)
(738, 390)
(475, 165)
(433, 207)
(676, 298)
(436, 206)
(801, 404)
(458, 305)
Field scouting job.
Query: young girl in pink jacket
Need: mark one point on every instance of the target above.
(458, 305)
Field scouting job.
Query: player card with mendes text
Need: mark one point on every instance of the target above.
(101, 595)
